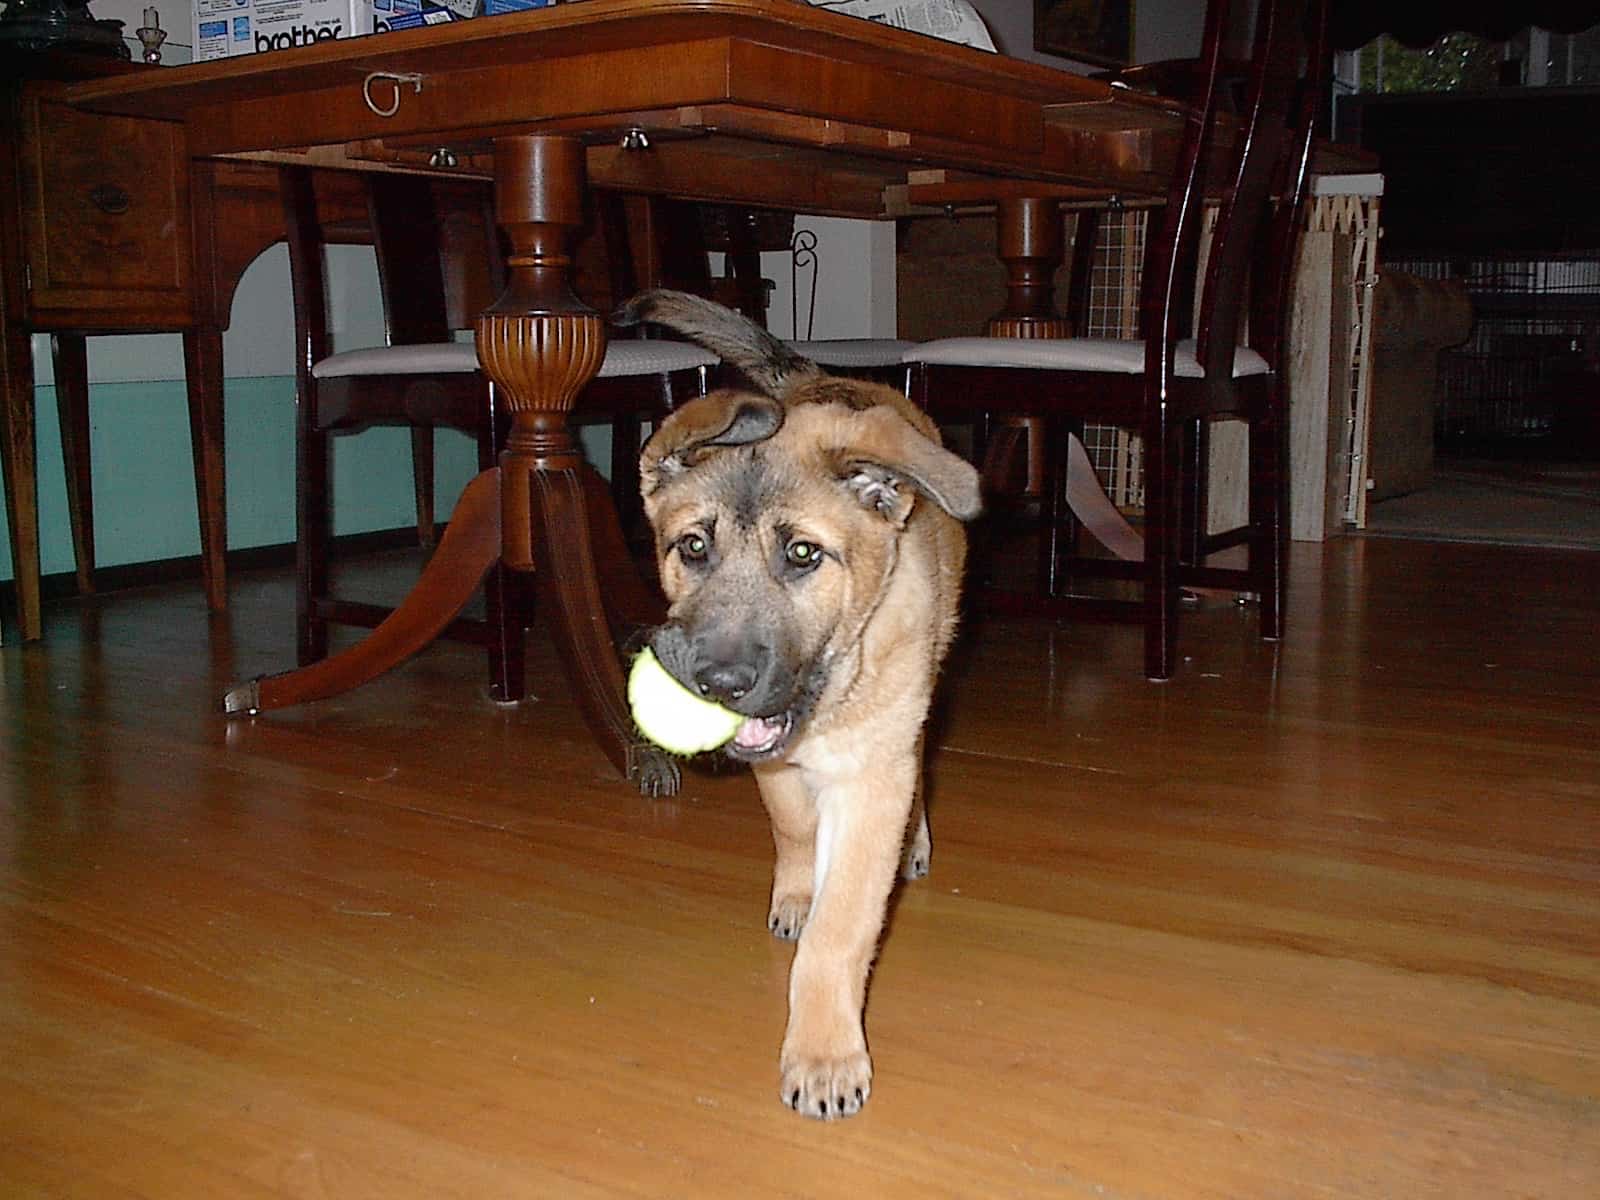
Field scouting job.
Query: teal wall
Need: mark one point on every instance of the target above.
(143, 476)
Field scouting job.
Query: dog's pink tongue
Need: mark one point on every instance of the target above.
(757, 732)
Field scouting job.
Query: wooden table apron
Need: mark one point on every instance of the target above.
(765, 102)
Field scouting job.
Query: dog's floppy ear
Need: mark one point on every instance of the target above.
(884, 460)
(701, 426)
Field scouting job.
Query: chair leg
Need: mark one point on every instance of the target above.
(1269, 518)
(625, 472)
(1196, 466)
(508, 599)
(1050, 460)
(70, 354)
(1000, 450)
(1161, 539)
(312, 534)
(506, 613)
(422, 483)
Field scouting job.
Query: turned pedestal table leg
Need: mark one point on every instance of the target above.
(541, 344)
(1028, 237)
(541, 509)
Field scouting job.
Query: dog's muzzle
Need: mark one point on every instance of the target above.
(741, 673)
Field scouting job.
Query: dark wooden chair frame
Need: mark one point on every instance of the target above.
(1255, 162)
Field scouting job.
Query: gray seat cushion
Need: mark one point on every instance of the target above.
(854, 352)
(625, 356)
(1123, 356)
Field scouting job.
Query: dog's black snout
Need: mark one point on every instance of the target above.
(725, 680)
(733, 667)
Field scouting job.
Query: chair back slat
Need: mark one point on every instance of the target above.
(1172, 250)
(1245, 145)
(308, 283)
(1273, 283)
(407, 237)
(473, 256)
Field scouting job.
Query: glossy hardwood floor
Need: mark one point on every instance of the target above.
(1320, 922)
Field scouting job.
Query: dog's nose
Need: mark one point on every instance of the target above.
(725, 681)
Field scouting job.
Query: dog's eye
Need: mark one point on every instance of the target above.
(694, 547)
(802, 554)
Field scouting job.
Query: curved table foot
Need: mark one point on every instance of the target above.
(632, 603)
(569, 582)
(471, 545)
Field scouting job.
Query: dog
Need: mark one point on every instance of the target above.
(808, 532)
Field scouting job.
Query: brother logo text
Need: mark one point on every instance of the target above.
(302, 35)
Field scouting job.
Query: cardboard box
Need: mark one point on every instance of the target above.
(494, 7)
(412, 14)
(228, 28)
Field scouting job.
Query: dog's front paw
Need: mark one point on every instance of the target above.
(826, 1087)
(788, 915)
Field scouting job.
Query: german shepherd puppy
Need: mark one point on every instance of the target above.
(808, 532)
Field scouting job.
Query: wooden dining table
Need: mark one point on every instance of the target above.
(769, 103)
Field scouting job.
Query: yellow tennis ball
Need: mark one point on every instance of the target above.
(672, 716)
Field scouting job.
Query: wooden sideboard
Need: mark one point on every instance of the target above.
(94, 239)
(108, 227)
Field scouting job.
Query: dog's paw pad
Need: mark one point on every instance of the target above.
(825, 1088)
(788, 916)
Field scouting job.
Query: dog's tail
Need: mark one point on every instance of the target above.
(769, 364)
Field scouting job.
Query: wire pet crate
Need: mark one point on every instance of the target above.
(1537, 325)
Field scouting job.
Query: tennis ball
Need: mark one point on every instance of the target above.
(672, 716)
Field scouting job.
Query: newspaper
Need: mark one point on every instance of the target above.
(952, 20)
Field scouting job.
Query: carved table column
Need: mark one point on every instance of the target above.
(1029, 242)
(540, 345)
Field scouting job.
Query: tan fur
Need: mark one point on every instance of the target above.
(879, 613)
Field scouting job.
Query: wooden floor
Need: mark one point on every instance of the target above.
(1319, 922)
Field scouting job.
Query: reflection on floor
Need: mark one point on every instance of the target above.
(1518, 503)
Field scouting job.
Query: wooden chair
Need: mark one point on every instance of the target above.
(425, 378)
(1167, 384)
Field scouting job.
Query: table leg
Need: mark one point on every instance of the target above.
(20, 467)
(541, 509)
(202, 356)
(1029, 239)
(70, 354)
(541, 344)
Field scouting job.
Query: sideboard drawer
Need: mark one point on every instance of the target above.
(105, 210)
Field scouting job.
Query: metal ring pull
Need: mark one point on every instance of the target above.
(396, 79)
